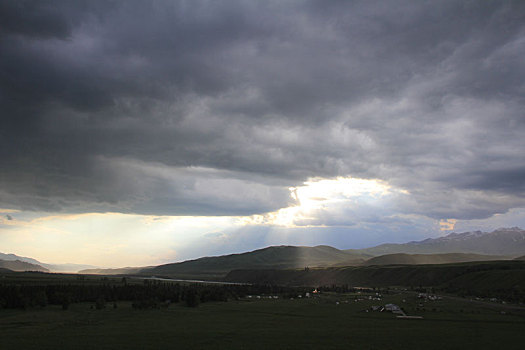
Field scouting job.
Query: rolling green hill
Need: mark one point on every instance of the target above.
(500, 244)
(290, 257)
(505, 275)
(281, 257)
(455, 247)
(417, 259)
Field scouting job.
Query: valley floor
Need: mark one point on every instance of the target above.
(332, 321)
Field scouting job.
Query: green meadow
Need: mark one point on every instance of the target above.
(331, 321)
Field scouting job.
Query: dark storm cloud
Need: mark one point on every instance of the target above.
(106, 105)
(34, 19)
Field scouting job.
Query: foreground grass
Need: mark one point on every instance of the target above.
(267, 324)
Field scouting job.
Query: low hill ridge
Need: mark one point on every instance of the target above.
(419, 259)
(475, 276)
(277, 257)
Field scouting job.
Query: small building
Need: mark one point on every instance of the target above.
(392, 307)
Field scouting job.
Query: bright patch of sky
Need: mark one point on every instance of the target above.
(343, 212)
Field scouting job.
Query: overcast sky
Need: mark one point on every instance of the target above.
(175, 129)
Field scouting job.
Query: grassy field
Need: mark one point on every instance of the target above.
(320, 323)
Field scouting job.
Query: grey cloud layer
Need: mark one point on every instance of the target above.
(427, 96)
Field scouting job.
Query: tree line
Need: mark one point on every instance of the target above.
(150, 294)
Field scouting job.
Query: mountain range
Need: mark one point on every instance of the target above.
(501, 244)
(35, 265)
(17, 265)
(503, 241)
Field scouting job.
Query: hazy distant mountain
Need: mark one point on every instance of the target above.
(49, 267)
(13, 257)
(281, 257)
(418, 259)
(503, 241)
(68, 267)
(17, 265)
(117, 271)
